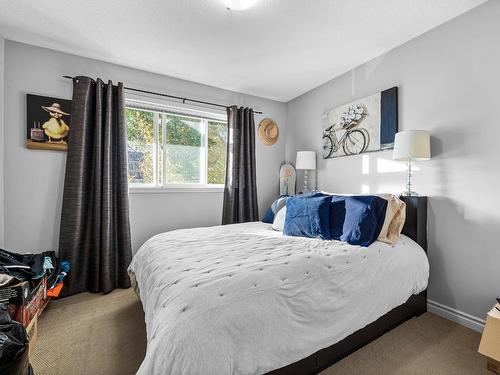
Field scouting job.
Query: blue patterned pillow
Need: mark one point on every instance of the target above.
(308, 216)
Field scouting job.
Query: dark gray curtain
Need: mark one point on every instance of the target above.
(95, 232)
(240, 192)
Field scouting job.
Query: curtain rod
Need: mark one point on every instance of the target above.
(184, 100)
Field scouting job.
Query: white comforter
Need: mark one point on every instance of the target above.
(244, 299)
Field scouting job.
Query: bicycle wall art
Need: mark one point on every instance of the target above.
(365, 125)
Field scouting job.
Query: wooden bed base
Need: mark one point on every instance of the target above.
(415, 228)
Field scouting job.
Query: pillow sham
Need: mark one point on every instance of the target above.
(308, 215)
(337, 217)
(279, 220)
(364, 218)
(395, 215)
(275, 207)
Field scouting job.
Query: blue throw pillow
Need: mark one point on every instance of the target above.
(337, 216)
(275, 207)
(268, 216)
(364, 218)
(308, 216)
(312, 194)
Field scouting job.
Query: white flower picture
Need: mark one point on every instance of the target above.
(365, 125)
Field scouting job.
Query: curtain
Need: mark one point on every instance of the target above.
(95, 232)
(240, 192)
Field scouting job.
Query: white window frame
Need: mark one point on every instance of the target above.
(186, 110)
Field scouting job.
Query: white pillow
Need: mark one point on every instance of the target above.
(279, 220)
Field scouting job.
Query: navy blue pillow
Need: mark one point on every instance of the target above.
(268, 216)
(364, 218)
(275, 207)
(308, 216)
(337, 216)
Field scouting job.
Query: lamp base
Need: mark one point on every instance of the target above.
(410, 193)
(306, 182)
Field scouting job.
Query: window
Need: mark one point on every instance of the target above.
(168, 148)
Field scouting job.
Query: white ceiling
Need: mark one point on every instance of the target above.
(277, 49)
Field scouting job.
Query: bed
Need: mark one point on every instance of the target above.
(244, 299)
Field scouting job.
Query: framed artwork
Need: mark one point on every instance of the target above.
(365, 125)
(47, 122)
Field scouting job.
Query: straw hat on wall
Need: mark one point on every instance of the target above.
(268, 131)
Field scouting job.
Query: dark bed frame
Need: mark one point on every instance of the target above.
(416, 228)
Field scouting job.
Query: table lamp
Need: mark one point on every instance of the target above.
(409, 146)
(306, 160)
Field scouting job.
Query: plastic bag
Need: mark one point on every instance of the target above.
(14, 346)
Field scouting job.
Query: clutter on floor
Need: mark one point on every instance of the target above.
(14, 344)
(27, 283)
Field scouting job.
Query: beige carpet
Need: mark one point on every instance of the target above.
(91, 334)
(105, 334)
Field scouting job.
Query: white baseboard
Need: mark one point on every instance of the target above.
(456, 316)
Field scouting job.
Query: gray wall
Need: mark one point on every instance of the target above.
(449, 84)
(34, 179)
(2, 71)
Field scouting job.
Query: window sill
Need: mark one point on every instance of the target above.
(176, 189)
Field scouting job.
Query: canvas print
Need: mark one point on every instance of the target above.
(48, 122)
(365, 125)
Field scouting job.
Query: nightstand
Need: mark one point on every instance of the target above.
(416, 219)
(415, 227)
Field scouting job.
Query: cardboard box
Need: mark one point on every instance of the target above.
(490, 341)
(32, 331)
(36, 299)
(23, 300)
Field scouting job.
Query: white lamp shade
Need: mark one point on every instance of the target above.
(412, 145)
(306, 160)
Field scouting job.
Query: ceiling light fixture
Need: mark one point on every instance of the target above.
(238, 4)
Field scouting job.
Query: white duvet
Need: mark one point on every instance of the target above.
(244, 299)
